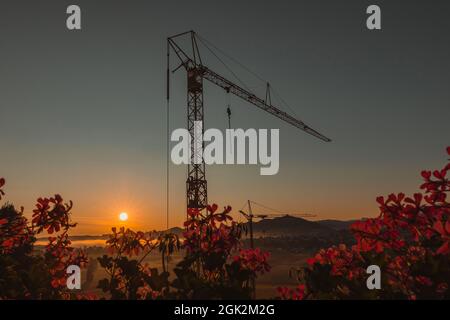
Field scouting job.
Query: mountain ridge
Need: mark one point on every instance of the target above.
(286, 225)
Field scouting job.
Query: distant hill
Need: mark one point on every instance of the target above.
(176, 230)
(285, 226)
(337, 224)
(81, 237)
(290, 226)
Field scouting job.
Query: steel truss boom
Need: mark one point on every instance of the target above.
(260, 103)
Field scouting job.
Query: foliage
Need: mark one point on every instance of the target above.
(132, 278)
(409, 241)
(215, 266)
(26, 272)
(168, 243)
(209, 270)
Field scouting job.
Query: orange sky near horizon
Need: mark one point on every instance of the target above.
(97, 210)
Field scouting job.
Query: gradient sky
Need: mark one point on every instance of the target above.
(83, 113)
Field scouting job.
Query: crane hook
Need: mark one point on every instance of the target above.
(227, 90)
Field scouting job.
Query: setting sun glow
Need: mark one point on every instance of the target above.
(123, 216)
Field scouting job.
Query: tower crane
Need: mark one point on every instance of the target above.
(196, 184)
(250, 216)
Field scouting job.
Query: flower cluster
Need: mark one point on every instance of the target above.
(409, 240)
(214, 232)
(59, 255)
(292, 294)
(52, 215)
(343, 261)
(17, 238)
(132, 278)
(216, 266)
(129, 243)
(253, 260)
(208, 270)
(15, 234)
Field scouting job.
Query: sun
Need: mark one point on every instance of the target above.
(123, 216)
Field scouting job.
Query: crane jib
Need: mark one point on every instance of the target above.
(253, 99)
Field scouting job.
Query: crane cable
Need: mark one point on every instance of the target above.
(167, 133)
(206, 42)
(203, 41)
(229, 120)
(229, 116)
(265, 207)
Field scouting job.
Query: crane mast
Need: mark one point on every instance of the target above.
(196, 184)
